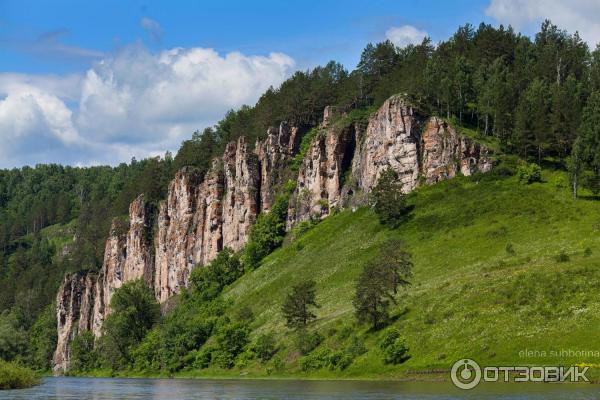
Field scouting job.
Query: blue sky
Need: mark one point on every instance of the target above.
(311, 33)
(98, 82)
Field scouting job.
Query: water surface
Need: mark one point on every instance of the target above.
(184, 389)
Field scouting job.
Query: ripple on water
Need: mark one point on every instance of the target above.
(183, 389)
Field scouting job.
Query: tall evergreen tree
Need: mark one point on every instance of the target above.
(379, 281)
(532, 128)
(565, 114)
(586, 150)
(298, 304)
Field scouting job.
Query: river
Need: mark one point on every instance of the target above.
(172, 389)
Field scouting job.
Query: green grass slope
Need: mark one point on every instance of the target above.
(489, 281)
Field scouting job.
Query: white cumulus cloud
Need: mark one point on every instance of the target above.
(139, 95)
(32, 121)
(404, 35)
(134, 103)
(572, 15)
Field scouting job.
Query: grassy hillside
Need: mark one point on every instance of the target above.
(499, 268)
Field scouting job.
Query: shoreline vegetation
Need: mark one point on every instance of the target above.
(426, 375)
(15, 376)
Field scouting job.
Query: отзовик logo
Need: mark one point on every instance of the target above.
(465, 374)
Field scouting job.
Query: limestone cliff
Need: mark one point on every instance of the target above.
(342, 162)
(111, 274)
(320, 178)
(446, 153)
(138, 259)
(174, 258)
(391, 140)
(83, 299)
(75, 302)
(200, 218)
(273, 154)
(242, 193)
(204, 214)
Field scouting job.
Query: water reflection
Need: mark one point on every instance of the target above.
(162, 389)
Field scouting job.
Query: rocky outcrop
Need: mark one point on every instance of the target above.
(204, 213)
(391, 140)
(242, 193)
(321, 175)
(174, 260)
(273, 155)
(112, 273)
(446, 153)
(75, 302)
(397, 136)
(200, 218)
(209, 217)
(138, 259)
(329, 114)
(83, 301)
(127, 257)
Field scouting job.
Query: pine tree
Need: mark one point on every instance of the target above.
(532, 122)
(586, 150)
(595, 69)
(298, 303)
(379, 281)
(565, 115)
(388, 199)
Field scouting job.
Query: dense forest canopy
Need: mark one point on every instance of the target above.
(537, 97)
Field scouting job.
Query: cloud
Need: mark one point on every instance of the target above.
(134, 103)
(404, 35)
(152, 28)
(32, 121)
(573, 15)
(51, 44)
(137, 94)
(65, 87)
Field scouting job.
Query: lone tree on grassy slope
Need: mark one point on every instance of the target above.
(388, 200)
(379, 281)
(297, 306)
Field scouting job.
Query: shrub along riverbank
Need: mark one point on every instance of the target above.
(14, 376)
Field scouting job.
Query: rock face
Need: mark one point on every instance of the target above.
(203, 215)
(445, 153)
(398, 137)
(138, 259)
(111, 274)
(75, 302)
(174, 258)
(328, 115)
(83, 299)
(273, 154)
(209, 216)
(320, 177)
(392, 141)
(242, 193)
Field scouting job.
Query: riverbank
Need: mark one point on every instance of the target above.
(441, 376)
(14, 376)
(236, 374)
